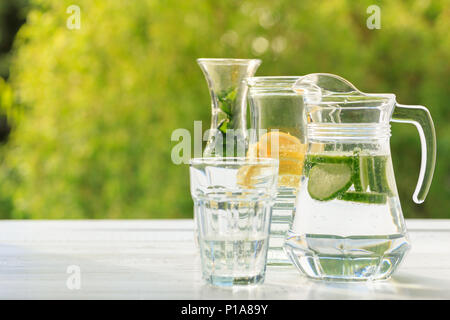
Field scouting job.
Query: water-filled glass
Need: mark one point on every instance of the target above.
(233, 199)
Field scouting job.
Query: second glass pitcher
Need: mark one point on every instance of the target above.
(349, 223)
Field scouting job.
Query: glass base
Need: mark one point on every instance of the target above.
(277, 257)
(228, 281)
(333, 258)
(282, 213)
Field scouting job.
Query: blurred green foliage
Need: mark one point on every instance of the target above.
(12, 16)
(102, 101)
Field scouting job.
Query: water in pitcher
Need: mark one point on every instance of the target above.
(349, 224)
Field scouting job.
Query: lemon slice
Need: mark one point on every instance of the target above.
(247, 176)
(285, 147)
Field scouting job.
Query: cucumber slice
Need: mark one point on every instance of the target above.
(313, 159)
(364, 197)
(328, 180)
(356, 174)
(371, 174)
(377, 173)
(361, 165)
(319, 158)
(364, 172)
(380, 169)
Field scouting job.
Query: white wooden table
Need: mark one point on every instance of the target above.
(157, 259)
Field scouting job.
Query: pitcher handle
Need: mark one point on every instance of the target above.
(421, 118)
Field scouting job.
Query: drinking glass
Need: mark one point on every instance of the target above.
(233, 200)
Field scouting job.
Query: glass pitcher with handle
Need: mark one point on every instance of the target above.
(348, 224)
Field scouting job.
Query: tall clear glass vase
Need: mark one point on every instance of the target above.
(227, 136)
(225, 77)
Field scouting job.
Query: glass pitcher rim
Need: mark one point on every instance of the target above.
(271, 80)
(348, 99)
(271, 85)
(228, 61)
